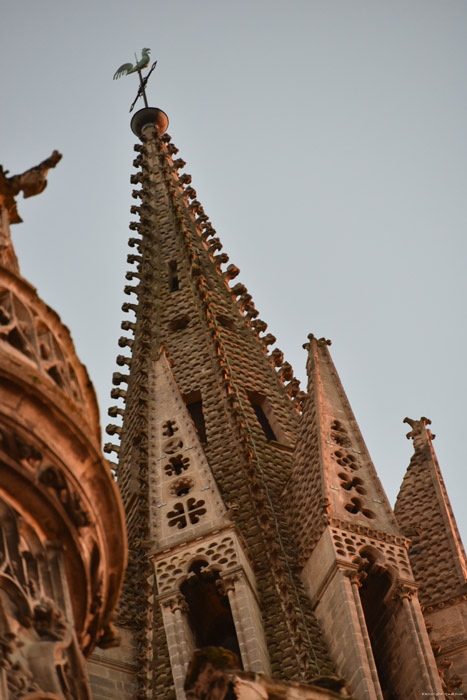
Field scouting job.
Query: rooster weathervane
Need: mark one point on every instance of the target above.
(128, 68)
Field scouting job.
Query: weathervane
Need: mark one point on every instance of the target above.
(128, 68)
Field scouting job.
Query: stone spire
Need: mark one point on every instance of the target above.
(424, 512)
(233, 437)
(436, 554)
(352, 554)
(343, 487)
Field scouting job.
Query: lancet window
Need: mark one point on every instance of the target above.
(265, 417)
(195, 408)
(209, 612)
(174, 282)
(376, 582)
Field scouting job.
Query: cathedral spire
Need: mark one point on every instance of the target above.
(256, 519)
(244, 404)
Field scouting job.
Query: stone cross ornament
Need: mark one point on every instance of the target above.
(127, 68)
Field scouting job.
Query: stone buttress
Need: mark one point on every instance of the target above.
(437, 556)
(351, 552)
(209, 426)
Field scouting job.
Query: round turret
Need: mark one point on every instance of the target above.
(62, 532)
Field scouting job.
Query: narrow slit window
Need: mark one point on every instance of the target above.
(263, 421)
(174, 282)
(265, 417)
(194, 405)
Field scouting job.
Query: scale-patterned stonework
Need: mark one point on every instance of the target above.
(222, 554)
(349, 547)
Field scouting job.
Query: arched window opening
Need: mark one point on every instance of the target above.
(376, 584)
(209, 612)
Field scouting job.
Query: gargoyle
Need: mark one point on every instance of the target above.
(31, 182)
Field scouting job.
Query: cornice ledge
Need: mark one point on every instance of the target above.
(370, 532)
(442, 604)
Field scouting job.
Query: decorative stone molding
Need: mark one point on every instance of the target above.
(404, 592)
(367, 531)
(36, 341)
(349, 544)
(443, 604)
(54, 479)
(220, 553)
(38, 645)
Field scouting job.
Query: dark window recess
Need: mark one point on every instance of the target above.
(226, 321)
(179, 323)
(378, 612)
(263, 421)
(174, 283)
(55, 374)
(209, 612)
(194, 405)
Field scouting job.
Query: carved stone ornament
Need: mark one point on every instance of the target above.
(53, 478)
(20, 449)
(418, 426)
(22, 327)
(38, 650)
(31, 182)
(404, 592)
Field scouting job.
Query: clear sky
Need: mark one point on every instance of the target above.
(326, 140)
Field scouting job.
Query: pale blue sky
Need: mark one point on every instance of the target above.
(326, 140)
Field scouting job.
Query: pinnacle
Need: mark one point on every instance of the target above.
(332, 459)
(423, 509)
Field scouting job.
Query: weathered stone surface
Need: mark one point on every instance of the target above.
(213, 674)
(437, 556)
(256, 518)
(62, 532)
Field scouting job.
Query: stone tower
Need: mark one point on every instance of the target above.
(62, 531)
(256, 520)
